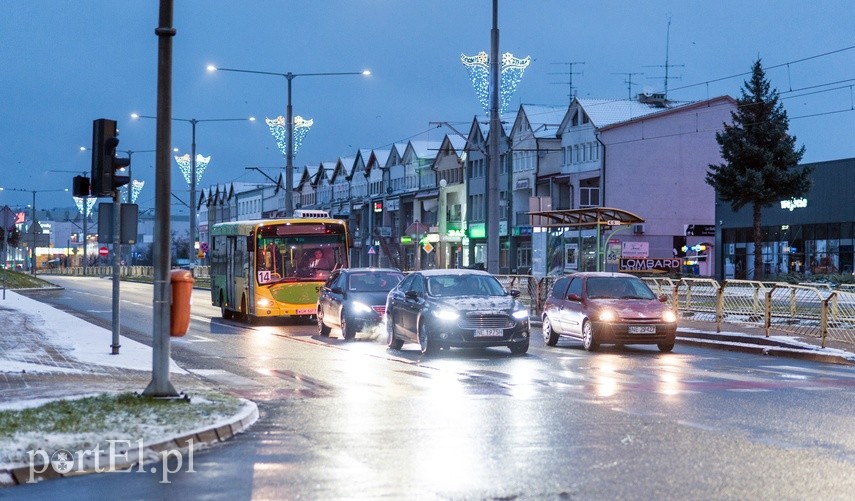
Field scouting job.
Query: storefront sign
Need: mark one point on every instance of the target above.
(635, 249)
(650, 264)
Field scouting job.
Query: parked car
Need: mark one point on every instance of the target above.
(607, 308)
(354, 299)
(455, 308)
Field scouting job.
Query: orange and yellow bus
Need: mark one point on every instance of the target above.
(275, 267)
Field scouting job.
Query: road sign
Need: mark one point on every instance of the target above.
(371, 250)
(428, 247)
(613, 222)
(203, 246)
(103, 251)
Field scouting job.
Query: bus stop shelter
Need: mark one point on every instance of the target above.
(605, 221)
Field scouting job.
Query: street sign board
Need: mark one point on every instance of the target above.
(103, 251)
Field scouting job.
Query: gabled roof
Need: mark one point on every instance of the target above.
(543, 120)
(604, 112)
(720, 100)
(342, 166)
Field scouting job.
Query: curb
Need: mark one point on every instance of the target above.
(20, 474)
(762, 346)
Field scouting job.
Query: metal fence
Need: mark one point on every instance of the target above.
(810, 309)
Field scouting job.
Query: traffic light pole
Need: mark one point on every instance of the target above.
(117, 255)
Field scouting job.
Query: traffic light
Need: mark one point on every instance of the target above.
(104, 162)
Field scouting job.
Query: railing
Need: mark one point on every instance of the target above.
(815, 310)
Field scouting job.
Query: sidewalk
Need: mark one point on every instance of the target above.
(46, 354)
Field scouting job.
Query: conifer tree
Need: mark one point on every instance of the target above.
(761, 160)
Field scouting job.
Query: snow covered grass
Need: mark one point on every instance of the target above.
(84, 423)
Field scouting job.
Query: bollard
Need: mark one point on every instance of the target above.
(181, 282)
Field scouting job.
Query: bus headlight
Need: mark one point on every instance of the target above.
(263, 302)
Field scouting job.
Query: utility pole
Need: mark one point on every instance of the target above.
(492, 198)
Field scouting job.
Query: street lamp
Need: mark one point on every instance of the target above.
(193, 122)
(289, 153)
(32, 225)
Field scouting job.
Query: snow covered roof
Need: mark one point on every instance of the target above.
(604, 112)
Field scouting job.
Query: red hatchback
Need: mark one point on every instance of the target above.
(607, 308)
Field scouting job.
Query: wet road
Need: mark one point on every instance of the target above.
(357, 421)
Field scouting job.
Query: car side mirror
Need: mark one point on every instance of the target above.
(337, 290)
(663, 298)
(573, 297)
(411, 294)
(515, 293)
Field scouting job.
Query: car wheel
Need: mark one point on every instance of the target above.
(550, 337)
(347, 331)
(665, 347)
(519, 348)
(323, 329)
(429, 346)
(392, 341)
(588, 341)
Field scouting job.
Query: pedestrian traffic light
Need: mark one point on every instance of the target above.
(104, 162)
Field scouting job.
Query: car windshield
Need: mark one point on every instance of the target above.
(464, 285)
(618, 288)
(373, 281)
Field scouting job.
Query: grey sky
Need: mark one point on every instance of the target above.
(66, 63)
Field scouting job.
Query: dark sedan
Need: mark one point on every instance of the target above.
(600, 307)
(455, 308)
(354, 299)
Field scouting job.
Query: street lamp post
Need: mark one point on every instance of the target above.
(289, 153)
(193, 122)
(33, 249)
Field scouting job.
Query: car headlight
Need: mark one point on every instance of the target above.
(520, 314)
(669, 316)
(360, 307)
(263, 302)
(446, 314)
(607, 316)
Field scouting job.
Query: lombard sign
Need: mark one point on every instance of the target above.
(796, 203)
(650, 264)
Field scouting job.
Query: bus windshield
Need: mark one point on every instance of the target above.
(296, 257)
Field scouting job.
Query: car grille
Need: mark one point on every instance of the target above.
(380, 310)
(486, 322)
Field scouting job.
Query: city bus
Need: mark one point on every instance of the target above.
(275, 267)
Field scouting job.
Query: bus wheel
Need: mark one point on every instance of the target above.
(225, 312)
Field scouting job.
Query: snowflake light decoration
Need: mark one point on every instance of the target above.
(90, 202)
(136, 188)
(187, 167)
(280, 131)
(511, 72)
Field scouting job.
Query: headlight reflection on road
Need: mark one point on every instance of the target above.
(606, 377)
(670, 368)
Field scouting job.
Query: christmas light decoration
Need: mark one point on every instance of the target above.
(187, 167)
(90, 202)
(136, 188)
(511, 72)
(280, 131)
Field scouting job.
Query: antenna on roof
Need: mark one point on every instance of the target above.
(667, 65)
(628, 83)
(572, 93)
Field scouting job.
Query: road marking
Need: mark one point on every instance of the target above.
(226, 378)
(821, 372)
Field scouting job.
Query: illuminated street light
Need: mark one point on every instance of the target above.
(194, 175)
(290, 124)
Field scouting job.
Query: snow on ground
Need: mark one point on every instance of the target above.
(87, 343)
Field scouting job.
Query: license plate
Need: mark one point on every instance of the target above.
(488, 332)
(305, 311)
(642, 329)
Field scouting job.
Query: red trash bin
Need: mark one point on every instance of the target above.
(181, 282)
